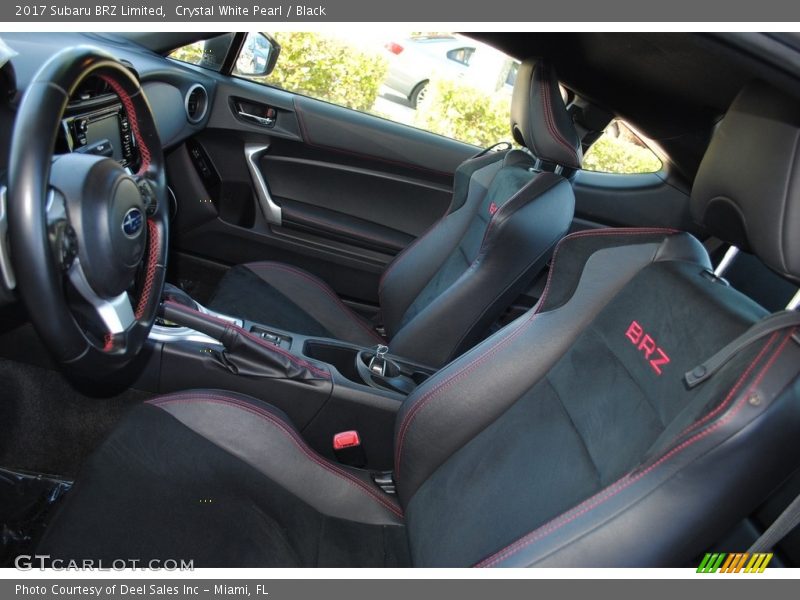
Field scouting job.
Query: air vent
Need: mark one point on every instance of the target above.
(196, 103)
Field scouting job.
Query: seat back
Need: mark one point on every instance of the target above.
(440, 295)
(570, 438)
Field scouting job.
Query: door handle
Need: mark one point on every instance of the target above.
(263, 121)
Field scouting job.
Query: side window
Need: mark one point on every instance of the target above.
(620, 150)
(441, 82)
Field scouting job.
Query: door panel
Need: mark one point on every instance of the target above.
(328, 189)
(330, 126)
(356, 188)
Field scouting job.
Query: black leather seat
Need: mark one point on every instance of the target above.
(441, 294)
(569, 438)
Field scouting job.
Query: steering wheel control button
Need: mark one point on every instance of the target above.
(148, 196)
(64, 242)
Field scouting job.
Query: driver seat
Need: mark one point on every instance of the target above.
(569, 438)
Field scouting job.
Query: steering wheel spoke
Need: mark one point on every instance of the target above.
(116, 313)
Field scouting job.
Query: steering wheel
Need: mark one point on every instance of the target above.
(88, 238)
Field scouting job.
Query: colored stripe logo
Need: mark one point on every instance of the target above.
(737, 562)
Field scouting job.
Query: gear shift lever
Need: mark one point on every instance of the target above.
(379, 371)
(378, 363)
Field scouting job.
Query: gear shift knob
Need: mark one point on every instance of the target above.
(378, 363)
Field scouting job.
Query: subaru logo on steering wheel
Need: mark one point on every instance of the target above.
(132, 222)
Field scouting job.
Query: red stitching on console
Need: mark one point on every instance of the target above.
(152, 266)
(627, 481)
(281, 425)
(489, 352)
(134, 121)
(293, 358)
(323, 287)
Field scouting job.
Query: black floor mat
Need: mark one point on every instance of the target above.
(27, 503)
(49, 424)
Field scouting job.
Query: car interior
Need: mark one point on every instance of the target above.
(250, 328)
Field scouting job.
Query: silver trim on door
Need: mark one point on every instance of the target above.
(272, 212)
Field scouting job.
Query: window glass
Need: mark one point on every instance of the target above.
(209, 54)
(441, 82)
(621, 150)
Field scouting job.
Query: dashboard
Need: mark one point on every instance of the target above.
(95, 121)
(180, 97)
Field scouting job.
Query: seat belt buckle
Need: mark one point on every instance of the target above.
(348, 449)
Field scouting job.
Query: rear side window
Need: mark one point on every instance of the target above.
(621, 150)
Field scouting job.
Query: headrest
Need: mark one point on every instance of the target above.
(539, 119)
(747, 190)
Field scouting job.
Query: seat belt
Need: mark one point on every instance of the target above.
(780, 528)
(498, 147)
(775, 322)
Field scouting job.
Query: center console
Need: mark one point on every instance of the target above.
(325, 386)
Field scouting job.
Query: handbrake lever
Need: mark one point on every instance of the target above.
(245, 353)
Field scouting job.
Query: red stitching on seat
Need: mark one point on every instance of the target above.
(733, 391)
(133, 119)
(499, 211)
(626, 481)
(323, 287)
(271, 347)
(592, 232)
(281, 425)
(550, 120)
(425, 398)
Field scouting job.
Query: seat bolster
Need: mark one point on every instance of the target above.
(512, 360)
(412, 269)
(262, 436)
(684, 247)
(517, 244)
(679, 502)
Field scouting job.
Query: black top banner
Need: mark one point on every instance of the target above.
(471, 11)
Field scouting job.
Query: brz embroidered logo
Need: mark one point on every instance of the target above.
(493, 208)
(647, 346)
